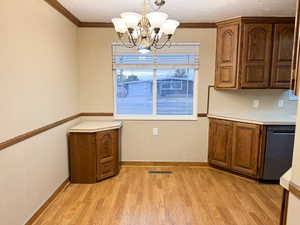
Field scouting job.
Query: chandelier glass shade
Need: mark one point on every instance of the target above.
(146, 31)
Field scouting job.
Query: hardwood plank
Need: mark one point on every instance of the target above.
(188, 196)
(146, 163)
(48, 202)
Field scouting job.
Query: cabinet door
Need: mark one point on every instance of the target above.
(226, 63)
(107, 153)
(220, 139)
(256, 58)
(245, 149)
(295, 59)
(282, 55)
(82, 153)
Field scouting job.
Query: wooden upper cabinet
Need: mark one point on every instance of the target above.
(296, 52)
(227, 41)
(220, 139)
(245, 149)
(256, 57)
(254, 52)
(282, 55)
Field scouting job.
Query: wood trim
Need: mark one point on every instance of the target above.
(60, 8)
(284, 207)
(257, 19)
(294, 189)
(202, 114)
(96, 24)
(182, 25)
(96, 114)
(198, 25)
(35, 132)
(145, 163)
(60, 189)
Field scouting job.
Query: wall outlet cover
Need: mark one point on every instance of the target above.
(155, 131)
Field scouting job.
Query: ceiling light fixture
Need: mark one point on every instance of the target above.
(146, 31)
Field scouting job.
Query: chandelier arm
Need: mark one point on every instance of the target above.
(155, 40)
(164, 44)
(126, 45)
(131, 39)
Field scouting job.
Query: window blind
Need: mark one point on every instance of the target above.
(178, 55)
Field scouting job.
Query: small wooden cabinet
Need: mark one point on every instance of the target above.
(94, 156)
(254, 53)
(235, 146)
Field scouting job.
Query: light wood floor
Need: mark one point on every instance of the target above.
(188, 196)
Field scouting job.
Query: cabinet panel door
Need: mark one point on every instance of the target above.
(256, 59)
(220, 139)
(282, 55)
(107, 153)
(245, 149)
(82, 157)
(227, 48)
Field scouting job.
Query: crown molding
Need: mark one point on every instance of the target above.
(182, 25)
(61, 9)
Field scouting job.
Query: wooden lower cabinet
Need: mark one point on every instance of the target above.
(235, 146)
(94, 156)
(245, 148)
(220, 140)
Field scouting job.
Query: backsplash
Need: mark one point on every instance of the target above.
(256, 100)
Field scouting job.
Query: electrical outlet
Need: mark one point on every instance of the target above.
(280, 103)
(155, 131)
(255, 103)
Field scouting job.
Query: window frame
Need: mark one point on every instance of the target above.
(154, 116)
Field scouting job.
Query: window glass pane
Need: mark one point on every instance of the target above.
(175, 91)
(134, 91)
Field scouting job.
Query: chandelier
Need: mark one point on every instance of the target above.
(147, 31)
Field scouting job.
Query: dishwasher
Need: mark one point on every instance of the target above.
(279, 151)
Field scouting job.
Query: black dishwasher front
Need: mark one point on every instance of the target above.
(279, 151)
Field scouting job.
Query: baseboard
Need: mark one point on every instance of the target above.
(146, 163)
(47, 203)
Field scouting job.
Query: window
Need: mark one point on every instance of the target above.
(161, 85)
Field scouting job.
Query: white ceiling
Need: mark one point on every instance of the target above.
(182, 10)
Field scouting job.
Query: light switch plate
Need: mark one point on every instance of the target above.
(155, 131)
(255, 103)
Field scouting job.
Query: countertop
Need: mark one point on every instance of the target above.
(285, 179)
(257, 118)
(95, 126)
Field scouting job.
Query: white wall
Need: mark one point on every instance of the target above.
(177, 140)
(242, 101)
(39, 85)
(294, 202)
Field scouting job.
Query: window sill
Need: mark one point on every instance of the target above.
(157, 118)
